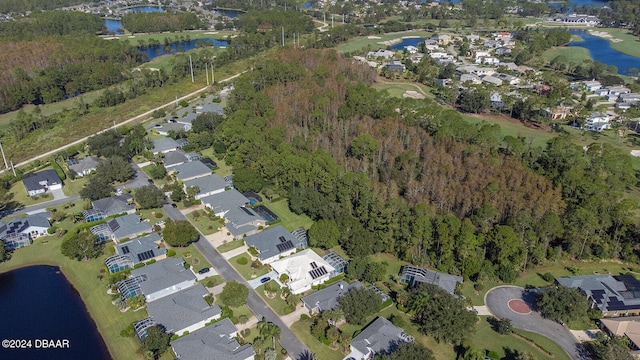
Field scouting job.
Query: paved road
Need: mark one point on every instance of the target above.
(289, 341)
(497, 300)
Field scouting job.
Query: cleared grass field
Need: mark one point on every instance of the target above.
(195, 34)
(398, 89)
(629, 45)
(573, 55)
(288, 219)
(512, 127)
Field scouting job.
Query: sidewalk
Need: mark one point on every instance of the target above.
(482, 310)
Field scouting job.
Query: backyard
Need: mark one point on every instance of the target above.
(286, 217)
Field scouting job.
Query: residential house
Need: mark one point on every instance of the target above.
(618, 90)
(578, 19)
(490, 60)
(624, 106)
(442, 39)
(503, 36)
(213, 342)
(445, 60)
(597, 122)
(559, 112)
(172, 126)
(510, 79)
(273, 243)
(174, 158)
(222, 202)
(210, 108)
(337, 262)
(41, 182)
(242, 221)
(613, 295)
(381, 53)
(396, 65)
(136, 251)
(630, 98)
(327, 298)
(19, 232)
(474, 79)
(84, 166)
(466, 69)
(503, 51)
(416, 58)
(411, 49)
(509, 66)
(161, 279)
(628, 327)
(444, 82)
(592, 85)
(183, 311)
(496, 100)
(438, 54)
(114, 205)
(305, 269)
(187, 120)
(164, 145)
(379, 338)
(208, 185)
(190, 170)
(601, 92)
(127, 226)
(414, 276)
(492, 80)
(483, 71)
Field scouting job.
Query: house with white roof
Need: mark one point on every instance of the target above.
(158, 280)
(305, 269)
(597, 122)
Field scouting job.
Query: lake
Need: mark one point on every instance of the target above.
(601, 51)
(39, 303)
(407, 42)
(159, 50)
(115, 26)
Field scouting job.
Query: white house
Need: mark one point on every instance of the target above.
(592, 85)
(305, 269)
(163, 278)
(598, 122)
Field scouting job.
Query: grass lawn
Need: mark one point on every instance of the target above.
(394, 264)
(287, 218)
(203, 223)
(246, 270)
(573, 55)
(397, 89)
(73, 187)
(19, 194)
(193, 34)
(585, 138)
(223, 169)
(277, 304)
(301, 329)
(255, 333)
(159, 182)
(166, 62)
(241, 310)
(629, 44)
(576, 38)
(84, 278)
(153, 215)
(487, 339)
(216, 279)
(362, 42)
(230, 246)
(514, 128)
(193, 257)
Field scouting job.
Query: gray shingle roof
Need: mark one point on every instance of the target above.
(163, 274)
(35, 181)
(182, 309)
(128, 226)
(164, 144)
(191, 170)
(114, 205)
(208, 183)
(380, 336)
(267, 241)
(188, 119)
(140, 246)
(225, 201)
(327, 298)
(82, 165)
(413, 275)
(174, 158)
(212, 342)
(20, 225)
(215, 108)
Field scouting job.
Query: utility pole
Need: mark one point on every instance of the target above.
(332, 21)
(14, 169)
(212, 78)
(343, 18)
(283, 36)
(206, 69)
(191, 66)
(4, 157)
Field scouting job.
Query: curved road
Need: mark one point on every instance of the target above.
(289, 341)
(497, 301)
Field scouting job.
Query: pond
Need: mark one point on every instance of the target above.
(39, 303)
(115, 26)
(407, 42)
(182, 46)
(601, 51)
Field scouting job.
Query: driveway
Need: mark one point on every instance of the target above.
(259, 307)
(139, 180)
(497, 300)
(254, 283)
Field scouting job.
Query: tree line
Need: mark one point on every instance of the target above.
(21, 6)
(411, 178)
(153, 22)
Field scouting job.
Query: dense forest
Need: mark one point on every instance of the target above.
(56, 55)
(154, 22)
(412, 178)
(21, 6)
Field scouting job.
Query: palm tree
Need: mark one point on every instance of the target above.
(275, 332)
(473, 354)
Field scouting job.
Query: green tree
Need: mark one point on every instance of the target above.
(81, 247)
(157, 171)
(179, 233)
(156, 341)
(410, 351)
(115, 168)
(358, 304)
(364, 146)
(562, 304)
(149, 196)
(234, 294)
(375, 271)
(609, 348)
(97, 188)
(324, 234)
(473, 354)
(441, 315)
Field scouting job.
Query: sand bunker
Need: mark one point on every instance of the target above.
(131, 36)
(604, 35)
(390, 42)
(211, 32)
(373, 37)
(412, 94)
(635, 153)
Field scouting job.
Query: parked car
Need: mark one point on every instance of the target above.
(174, 206)
(264, 280)
(204, 271)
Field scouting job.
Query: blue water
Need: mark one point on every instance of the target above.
(601, 51)
(229, 13)
(115, 26)
(38, 302)
(159, 50)
(307, 5)
(407, 42)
